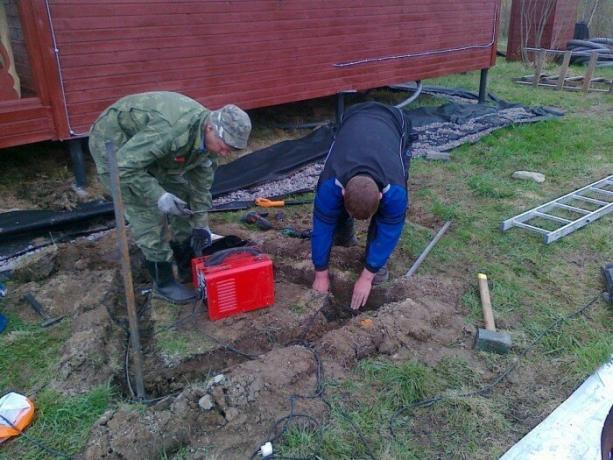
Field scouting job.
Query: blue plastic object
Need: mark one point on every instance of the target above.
(3, 323)
(3, 320)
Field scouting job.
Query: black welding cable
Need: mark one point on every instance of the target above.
(165, 328)
(37, 443)
(490, 386)
(318, 393)
(284, 422)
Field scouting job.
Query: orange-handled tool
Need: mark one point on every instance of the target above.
(266, 203)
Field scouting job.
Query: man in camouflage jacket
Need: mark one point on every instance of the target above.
(167, 146)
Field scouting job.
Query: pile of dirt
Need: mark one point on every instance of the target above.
(80, 282)
(230, 414)
(264, 355)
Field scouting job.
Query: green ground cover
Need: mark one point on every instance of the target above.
(532, 285)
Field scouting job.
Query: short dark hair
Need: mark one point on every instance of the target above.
(362, 197)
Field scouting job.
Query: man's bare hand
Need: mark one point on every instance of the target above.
(361, 289)
(322, 281)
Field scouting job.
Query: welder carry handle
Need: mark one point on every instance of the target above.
(220, 256)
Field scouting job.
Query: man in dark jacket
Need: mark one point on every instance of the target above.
(364, 177)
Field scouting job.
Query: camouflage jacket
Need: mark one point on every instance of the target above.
(164, 144)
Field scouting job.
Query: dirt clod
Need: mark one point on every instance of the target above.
(36, 266)
(206, 402)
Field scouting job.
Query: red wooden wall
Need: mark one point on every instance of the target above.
(258, 53)
(559, 26)
(253, 53)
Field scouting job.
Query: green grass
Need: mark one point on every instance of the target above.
(417, 239)
(61, 423)
(29, 353)
(363, 405)
(531, 284)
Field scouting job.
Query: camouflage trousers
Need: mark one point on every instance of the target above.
(152, 230)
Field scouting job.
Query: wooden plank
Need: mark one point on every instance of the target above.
(223, 80)
(22, 115)
(337, 52)
(420, 35)
(589, 73)
(30, 138)
(213, 65)
(566, 88)
(281, 73)
(288, 49)
(563, 70)
(277, 29)
(236, 93)
(538, 67)
(248, 25)
(26, 127)
(256, 9)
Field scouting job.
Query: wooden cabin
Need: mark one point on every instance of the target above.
(540, 23)
(64, 61)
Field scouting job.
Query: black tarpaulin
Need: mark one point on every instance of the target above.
(439, 129)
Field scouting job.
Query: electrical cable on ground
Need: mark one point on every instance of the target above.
(172, 325)
(490, 386)
(318, 393)
(37, 443)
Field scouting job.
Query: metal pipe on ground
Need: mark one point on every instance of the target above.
(122, 243)
(426, 251)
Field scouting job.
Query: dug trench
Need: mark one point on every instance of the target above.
(181, 345)
(228, 401)
(184, 351)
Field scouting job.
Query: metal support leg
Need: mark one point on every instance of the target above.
(340, 107)
(483, 86)
(75, 147)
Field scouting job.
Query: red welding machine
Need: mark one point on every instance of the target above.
(234, 281)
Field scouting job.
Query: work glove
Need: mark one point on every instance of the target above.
(171, 204)
(201, 239)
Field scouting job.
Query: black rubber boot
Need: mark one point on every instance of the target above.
(165, 285)
(345, 233)
(183, 256)
(382, 276)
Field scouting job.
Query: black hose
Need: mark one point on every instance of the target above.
(584, 43)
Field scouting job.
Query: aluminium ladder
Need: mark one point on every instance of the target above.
(603, 189)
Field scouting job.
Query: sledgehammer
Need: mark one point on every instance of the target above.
(489, 339)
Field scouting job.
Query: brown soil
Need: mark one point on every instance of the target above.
(414, 316)
(419, 317)
(255, 393)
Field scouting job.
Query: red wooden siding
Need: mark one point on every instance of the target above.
(27, 121)
(258, 53)
(43, 116)
(563, 26)
(559, 26)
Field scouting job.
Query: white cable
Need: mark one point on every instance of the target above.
(56, 51)
(266, 450)
(427, 53)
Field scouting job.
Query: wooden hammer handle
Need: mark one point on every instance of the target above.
(486, 303)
